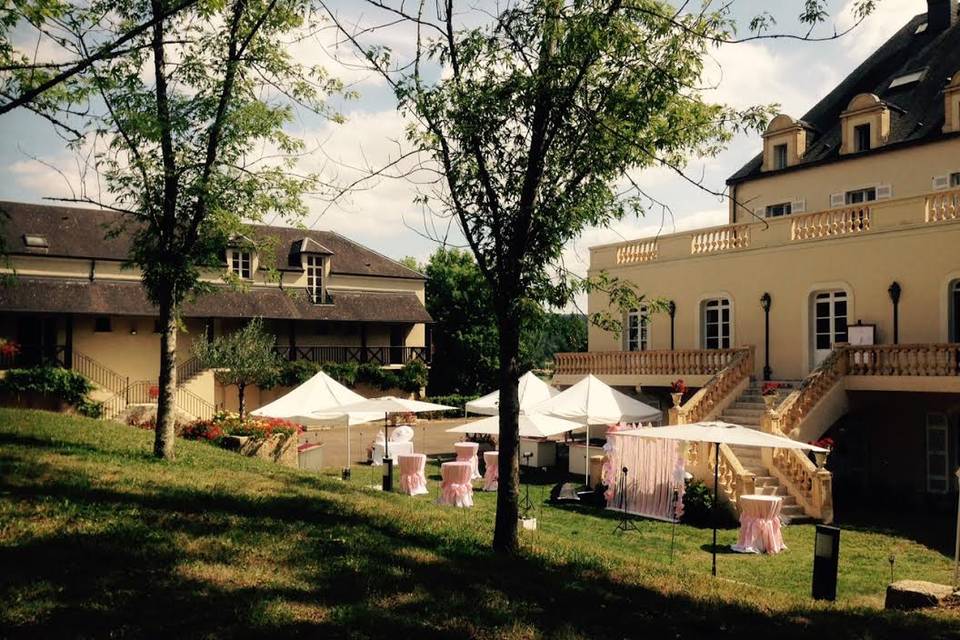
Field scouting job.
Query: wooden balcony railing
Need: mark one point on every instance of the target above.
(381, 356)
(690, 362)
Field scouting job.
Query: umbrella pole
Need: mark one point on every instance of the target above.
(348, 448)
(386, 439)
(713, 510)
(587, 461)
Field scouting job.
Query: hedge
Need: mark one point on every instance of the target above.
(66, 384)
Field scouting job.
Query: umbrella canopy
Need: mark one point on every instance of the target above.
(532, 392)
(388, 404)
(321, 393)
(536, 425)
(591, 401)
(719, 433)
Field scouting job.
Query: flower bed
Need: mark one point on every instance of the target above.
(269, 438)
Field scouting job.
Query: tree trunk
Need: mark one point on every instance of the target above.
(166, 402)
(241, 399)
(508, 488)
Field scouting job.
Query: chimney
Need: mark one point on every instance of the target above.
(941, 15)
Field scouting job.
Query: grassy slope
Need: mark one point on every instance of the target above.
(98, 538)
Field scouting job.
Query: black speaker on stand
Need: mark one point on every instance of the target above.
(526, 505)
(624, 524)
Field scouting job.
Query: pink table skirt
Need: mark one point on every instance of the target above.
(413, 482)
(467, 452)
(456, 490)
(760, 525)
(491, 460)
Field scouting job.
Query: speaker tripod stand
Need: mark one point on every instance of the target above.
(625, 523)
(526, 505)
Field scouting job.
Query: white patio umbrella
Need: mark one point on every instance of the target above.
(386, 405)
(319, 393)
(536, 425)
(718, 433)
(532, 391)
(592, 401)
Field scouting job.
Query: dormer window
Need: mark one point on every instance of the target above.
(951, 105)
(780, 156)
(240, 263)
(861, 137)
(865, 124)
(313, 265)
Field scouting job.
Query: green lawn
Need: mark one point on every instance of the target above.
(97, 538)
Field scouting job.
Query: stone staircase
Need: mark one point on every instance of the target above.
(748, 410)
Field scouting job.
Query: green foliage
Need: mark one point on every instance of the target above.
(242, 358)
(66, 384)
(411, 377)
(698, 507)
(90, 408)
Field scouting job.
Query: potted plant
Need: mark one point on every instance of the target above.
(677, 389)
(769, 393)
(821, 456)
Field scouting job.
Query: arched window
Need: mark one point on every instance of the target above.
(716, 323)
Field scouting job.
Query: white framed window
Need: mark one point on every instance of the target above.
(938, 453)
(241, 263)
(860, 195)
(777, 210)
(780, 156)
(716, 322)
(314, 268)
(638, 331)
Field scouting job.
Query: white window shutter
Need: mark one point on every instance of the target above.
(884, 192)
(798, 206)
(940, 182)
(760, 212)
(836, 200)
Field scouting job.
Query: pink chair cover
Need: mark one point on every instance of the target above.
(413, 482)
(491, 460)
(760, 525)
(467, 452)
(456, 490)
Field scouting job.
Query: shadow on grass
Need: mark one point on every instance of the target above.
(932, 530)
(189, 563)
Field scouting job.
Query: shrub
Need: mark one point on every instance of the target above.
(698, 507)
(411, 377)
(68, 385)
(229, 424)
(296, 372)
(202, 430)
(90, 408)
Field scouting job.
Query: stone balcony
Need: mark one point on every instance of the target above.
(879, 216)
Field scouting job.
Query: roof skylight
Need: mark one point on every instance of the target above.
(35, 241)
(907, 78)
(922, 27)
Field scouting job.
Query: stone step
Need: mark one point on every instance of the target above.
(792, 510)
(745, 409)
(743, 421)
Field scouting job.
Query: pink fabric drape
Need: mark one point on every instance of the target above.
(655, 470)
(467, 452)
(760, 525)
(491, 474)
(456, 490)
(413, 482)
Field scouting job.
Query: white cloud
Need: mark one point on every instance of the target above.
(887, 19)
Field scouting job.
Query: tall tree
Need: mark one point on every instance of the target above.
(535, 115)
(186, 102)
(242, 358)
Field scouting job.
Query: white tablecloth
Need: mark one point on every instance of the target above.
(396, 448)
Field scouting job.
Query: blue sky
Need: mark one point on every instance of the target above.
(36, 164)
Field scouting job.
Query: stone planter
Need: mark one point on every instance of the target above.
(770, 402)
(677, 398)
(281, 449)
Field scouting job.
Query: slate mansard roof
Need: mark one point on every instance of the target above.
(917, 108)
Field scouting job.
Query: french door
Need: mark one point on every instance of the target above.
(829, 323)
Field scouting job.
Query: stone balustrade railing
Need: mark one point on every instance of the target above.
(679, 362)
(721, 239)
(888, 214)
(826, 224)
(706, 401)
(903, 360)
(637, 252)
(733, 480)
(943, 206)
(815, 386)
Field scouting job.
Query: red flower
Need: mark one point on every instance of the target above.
(769, 388)
(678, 386)
(154, 392)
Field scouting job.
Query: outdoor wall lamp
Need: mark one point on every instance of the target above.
(765, 302)
(672, 310)
(894, 290)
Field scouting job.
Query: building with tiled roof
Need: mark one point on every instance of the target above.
(69, 297)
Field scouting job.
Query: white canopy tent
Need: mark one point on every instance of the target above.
(381, 407)
(591, 401)
(320, 393)
(532, 392)
(531, 426)
(718, 433)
